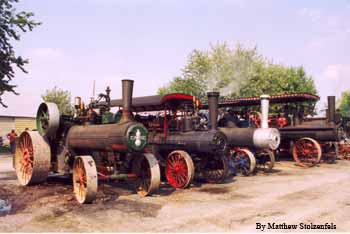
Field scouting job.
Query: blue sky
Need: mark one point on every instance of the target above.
(149, 41)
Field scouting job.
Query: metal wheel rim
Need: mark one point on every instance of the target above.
(147, 170)
(32, 158)
(265, 160)
(84, 179)
(216, 169)
(307, 152)
(179, 169)
(250, 159)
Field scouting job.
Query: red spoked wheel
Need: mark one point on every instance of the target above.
(179, 169)
(307, 152)
(32, 158)
(84, 179)
(216, 169)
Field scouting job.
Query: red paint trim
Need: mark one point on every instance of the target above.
(177, 96)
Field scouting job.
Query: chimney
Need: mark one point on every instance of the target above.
(331, 108)
(127, 89)
(264, 110)
(213, 104)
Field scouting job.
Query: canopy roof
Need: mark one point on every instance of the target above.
(157, 102)
(276, 99)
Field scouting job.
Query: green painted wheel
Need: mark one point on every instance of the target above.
(47, 119)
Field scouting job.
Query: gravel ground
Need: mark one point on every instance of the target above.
(289, 195)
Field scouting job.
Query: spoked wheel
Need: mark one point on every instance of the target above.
(265, 160)
(179, 169)
(47, 119)
(244, 161)
(307, 152)
(84, 179)
(216, 169)
(32, 158)
(146, 169)
(330, 152)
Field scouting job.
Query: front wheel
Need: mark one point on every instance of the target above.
(216, 169)
(146, 169)
(265, 160)
(244, 161)
(85, 179)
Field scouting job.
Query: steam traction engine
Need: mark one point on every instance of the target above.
(251, 148)
(305, 138)
(182, 143)
(89, 145)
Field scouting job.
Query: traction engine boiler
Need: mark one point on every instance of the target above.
(89, 145)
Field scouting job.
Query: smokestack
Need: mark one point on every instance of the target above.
(127, 89)
(264, 111)
(331, 108)
(213, 101)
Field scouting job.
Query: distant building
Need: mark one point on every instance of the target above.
(19, 123)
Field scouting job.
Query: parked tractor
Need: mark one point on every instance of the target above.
(89, 146)
(306, 138)
(251, 147)
(188, 142)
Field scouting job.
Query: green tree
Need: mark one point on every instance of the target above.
(12, 23)
(344, 103)
(61, 98)
(276, 79)
(221, 68)
(237, 72)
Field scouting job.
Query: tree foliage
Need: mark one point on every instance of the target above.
(61, 98)
(12, 24)
(237, 72)
(343, 104)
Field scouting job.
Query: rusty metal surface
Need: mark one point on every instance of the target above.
(100, 137)
(127, 90)
(213, 100)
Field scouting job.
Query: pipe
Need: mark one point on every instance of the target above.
(127, 91)
(213, 104)
(331, 108)
(264, 110)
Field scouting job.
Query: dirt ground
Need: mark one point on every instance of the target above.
(289, 195)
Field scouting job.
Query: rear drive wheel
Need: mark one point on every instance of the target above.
(32, 158)
(307, 152)
(179, 169)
